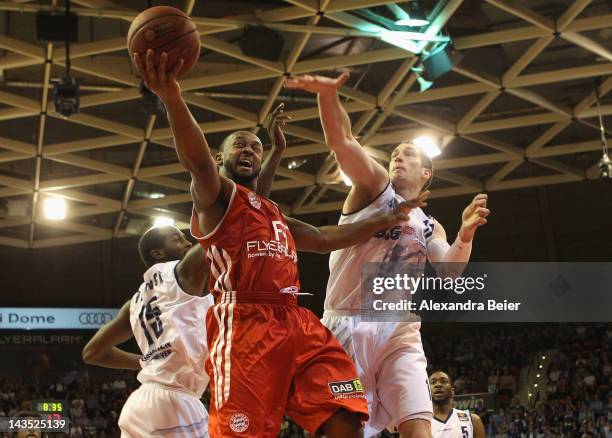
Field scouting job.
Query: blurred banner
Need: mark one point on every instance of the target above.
(42, 318)
(476, 402)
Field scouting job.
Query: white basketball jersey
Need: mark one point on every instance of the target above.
(458, 425)
(401, 245)
(170, 328)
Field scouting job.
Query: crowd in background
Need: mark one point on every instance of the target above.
(574, 400)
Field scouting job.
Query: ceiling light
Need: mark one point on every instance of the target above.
(294, 164)
(55, 208)
(416, 16)
(428, 145)
(163, 221)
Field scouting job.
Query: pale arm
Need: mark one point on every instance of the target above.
(368, 177)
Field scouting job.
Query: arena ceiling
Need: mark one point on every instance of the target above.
(518, 111)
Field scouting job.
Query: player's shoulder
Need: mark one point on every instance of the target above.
(384, 201)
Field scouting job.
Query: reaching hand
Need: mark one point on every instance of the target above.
(157, 79)
(474, 216)
(401, 213)
(275, 124)
(316, 84)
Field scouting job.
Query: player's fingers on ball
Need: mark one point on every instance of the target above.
(150, 63)
(163, 61)
(483, 212)
(177, 68)
(139, 64)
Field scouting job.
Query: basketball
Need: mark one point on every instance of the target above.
(165, 29)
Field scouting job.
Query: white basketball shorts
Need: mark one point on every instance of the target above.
(154, 410)
(391, 365)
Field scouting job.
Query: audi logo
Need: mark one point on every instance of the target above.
(93, 318)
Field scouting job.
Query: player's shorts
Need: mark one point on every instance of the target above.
(155, 410)
(391, 364)
(269, 357)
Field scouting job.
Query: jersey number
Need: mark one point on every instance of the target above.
(149, 315)
(464, 432)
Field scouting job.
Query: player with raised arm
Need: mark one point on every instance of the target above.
(167, 316)
(449, 422)
(389, 355)
(268, 356)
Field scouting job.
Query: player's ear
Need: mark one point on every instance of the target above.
(453, 391)
(158, 254)
(219, 158)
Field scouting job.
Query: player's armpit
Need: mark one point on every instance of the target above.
(101, 350)
(479, 431)
(193, 271)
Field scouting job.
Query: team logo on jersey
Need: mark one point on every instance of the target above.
(239, 422)
(347, 389)
(254, 200)
(462, 416)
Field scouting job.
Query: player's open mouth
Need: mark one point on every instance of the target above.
(245, 163)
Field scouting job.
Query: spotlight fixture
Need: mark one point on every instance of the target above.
(163, 221)
(150, 103)
(440, 61)
(66, 91)
(605, 165)
(294, 164)
(54, 208)
(66, 96)
(424, 84)
(415, 17)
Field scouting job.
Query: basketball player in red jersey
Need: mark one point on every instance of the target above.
(268, 356)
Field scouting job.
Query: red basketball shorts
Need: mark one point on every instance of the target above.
(269, 357)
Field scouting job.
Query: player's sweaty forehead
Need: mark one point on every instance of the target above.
(246, 137)
(439, 376)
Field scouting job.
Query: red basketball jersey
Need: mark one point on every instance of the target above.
(251, 249)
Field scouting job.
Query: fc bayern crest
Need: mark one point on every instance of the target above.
(239, 422)
(254, 200)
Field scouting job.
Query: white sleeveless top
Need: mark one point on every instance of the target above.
(458, 425)
(170, 328)
(401, 244)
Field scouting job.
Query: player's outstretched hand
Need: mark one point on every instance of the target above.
(316, 84)
(473, 217)
(156, 78)
(275, 124)
(401, 213)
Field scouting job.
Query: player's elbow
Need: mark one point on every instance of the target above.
(90, 355)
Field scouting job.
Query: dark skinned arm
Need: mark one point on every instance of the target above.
(275, 124)
(101, 350)
(193, 271)
(209, 190)
(479, 431)
(328, 238)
